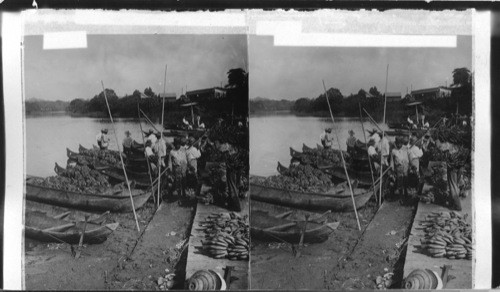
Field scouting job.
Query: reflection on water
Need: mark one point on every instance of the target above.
(272, 136)
(48, 136)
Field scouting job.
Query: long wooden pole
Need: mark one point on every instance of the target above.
(372, 120)
(121, 157)
(161, 135)
(383, 136)
(342, 155)
(385, 95)
(149, 121)
(145, 155)
(369, 159)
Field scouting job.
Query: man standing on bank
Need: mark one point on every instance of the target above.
(103, 139)
(327, 138)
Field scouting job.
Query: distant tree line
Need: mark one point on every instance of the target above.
(264, 105)
(234, 103)
(33, 106)
(460, 99)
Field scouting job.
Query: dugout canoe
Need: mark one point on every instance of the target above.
(266, 227)
(336, 202)
(119, 202)
(196, 133)
(364, 178)
(142, 179)
(40, 227)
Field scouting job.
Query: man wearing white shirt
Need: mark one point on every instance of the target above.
(151, 137)
(326, 138)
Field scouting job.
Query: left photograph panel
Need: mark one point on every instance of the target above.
(136, 155)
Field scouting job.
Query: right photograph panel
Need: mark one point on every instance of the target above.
(360, 161)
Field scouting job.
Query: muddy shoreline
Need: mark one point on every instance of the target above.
(349, 259)
(114, 263)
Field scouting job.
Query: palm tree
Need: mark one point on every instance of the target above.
(237, 90)
(462, 76)
(236, 78)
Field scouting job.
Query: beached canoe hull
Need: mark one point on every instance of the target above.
(40, 227)
(114, 203)
(315, 232)
(310, 201)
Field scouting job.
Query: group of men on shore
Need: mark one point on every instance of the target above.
(182, 159)
(403, 156)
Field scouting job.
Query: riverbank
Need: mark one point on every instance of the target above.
(125, 260)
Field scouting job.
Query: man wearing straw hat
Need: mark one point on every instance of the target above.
(192, 155)
(177, 163)
(400, 164)
(103, 139)
(160, 148)
(414, 155)
(351, 143)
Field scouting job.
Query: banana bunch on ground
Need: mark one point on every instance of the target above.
(447, 235)
(427, 198)
(226, 235)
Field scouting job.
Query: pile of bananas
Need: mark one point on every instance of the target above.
(301, 178)
(427, 198)
(453, 134)
(226, 235)
(316, 157)
(461, 158)
(447, 235)
(217, 178)
(108, 157)
(77, 179)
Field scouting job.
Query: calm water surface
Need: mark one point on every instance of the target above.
(272, 136)
(47, 138)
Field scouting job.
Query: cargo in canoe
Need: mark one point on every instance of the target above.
(119, 202)
(299, 156)
(268, 226)
(340, 201)
(142, 179)
(338, 188)
(92, 163)
(40, 227)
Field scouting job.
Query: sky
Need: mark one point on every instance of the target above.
(279, 72)
(128, 62)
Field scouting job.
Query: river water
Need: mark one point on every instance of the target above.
(47, 138)
(272, 136)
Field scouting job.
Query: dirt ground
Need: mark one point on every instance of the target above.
(109, 265)
(349, 259)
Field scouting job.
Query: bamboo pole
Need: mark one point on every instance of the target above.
(121, 157)
(161, 136)
(383, 135)
(385, 95)
(342, 155)
(372, 120)
(369, 159)
(145, 155)
(381, 168)
(149, 121)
